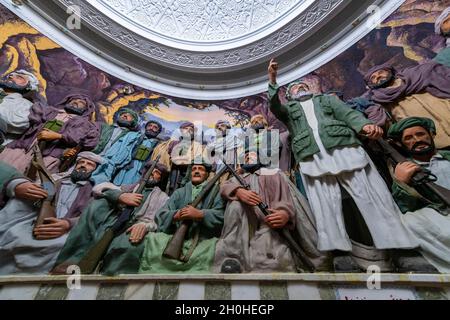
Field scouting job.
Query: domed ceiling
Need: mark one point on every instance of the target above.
(205, 49)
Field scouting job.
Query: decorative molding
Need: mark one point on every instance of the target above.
(235, 57)
(232, 89)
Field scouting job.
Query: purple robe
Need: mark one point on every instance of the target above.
(430, 77)
(78, 130)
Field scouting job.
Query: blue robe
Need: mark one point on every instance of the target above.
(131, 173)
(117, 157)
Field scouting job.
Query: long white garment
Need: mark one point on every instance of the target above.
(374, 201)
(329, 161)
(432, 231)
(430, 228)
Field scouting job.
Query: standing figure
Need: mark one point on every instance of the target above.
(143, 151)
(116, 145)
(330, 156)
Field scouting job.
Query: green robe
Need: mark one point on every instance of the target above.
(122, 256)
(409, 199)
(443, 57)
(209, 230)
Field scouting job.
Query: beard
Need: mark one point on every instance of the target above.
(151, 183)
(12, 86)
(74, 110)
(258, 127)
(125, 124)
(151, 134)
(252, 168)
(80, 175)
(429, 150)
(302, 96)
(383, 83)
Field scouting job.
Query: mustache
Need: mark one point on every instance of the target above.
(419, 144)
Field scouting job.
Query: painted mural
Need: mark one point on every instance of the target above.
(406, 38)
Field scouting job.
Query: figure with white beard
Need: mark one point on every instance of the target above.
(325, 145)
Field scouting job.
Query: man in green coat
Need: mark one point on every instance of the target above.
(207, 222)
(124, 252)
(330, 156)
(424, 214)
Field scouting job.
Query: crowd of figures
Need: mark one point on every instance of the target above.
(351, 184)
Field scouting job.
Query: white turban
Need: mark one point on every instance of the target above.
(90, 156)
(33, 82)
(440, 20)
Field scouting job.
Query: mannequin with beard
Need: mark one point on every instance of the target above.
(442, 28)
(207, 221)
(249, 242)
(59, 128)
(259, 137)
(124, 252)
(225, 145)
(116, 145)
(143, 151)
(420, 91)
(428, 219)
(183, 152)
(325, 145)
(14, 107)
(25, 249)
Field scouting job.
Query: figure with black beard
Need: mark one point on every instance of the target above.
(249, 241)
(442, 28)
(29, 250)
(57, 130)
(183, 152)
(117, 144)
(330, 156)
(424, 215)
(142, 153)
(419, 91)
(260, 137)
(124, 252)
(14, 107)
(200, 242)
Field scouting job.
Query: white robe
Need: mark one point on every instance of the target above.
(20, 253)
(430, 228)
(351, 168)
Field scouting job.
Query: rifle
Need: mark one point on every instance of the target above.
(285, 234)
(47, 210)
(67, 162)
(174, 247)
(423, 180)
(90, 261)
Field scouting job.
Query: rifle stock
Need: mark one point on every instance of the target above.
(88, 264)
(284, 233)
(47, 209)
(174, 247)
